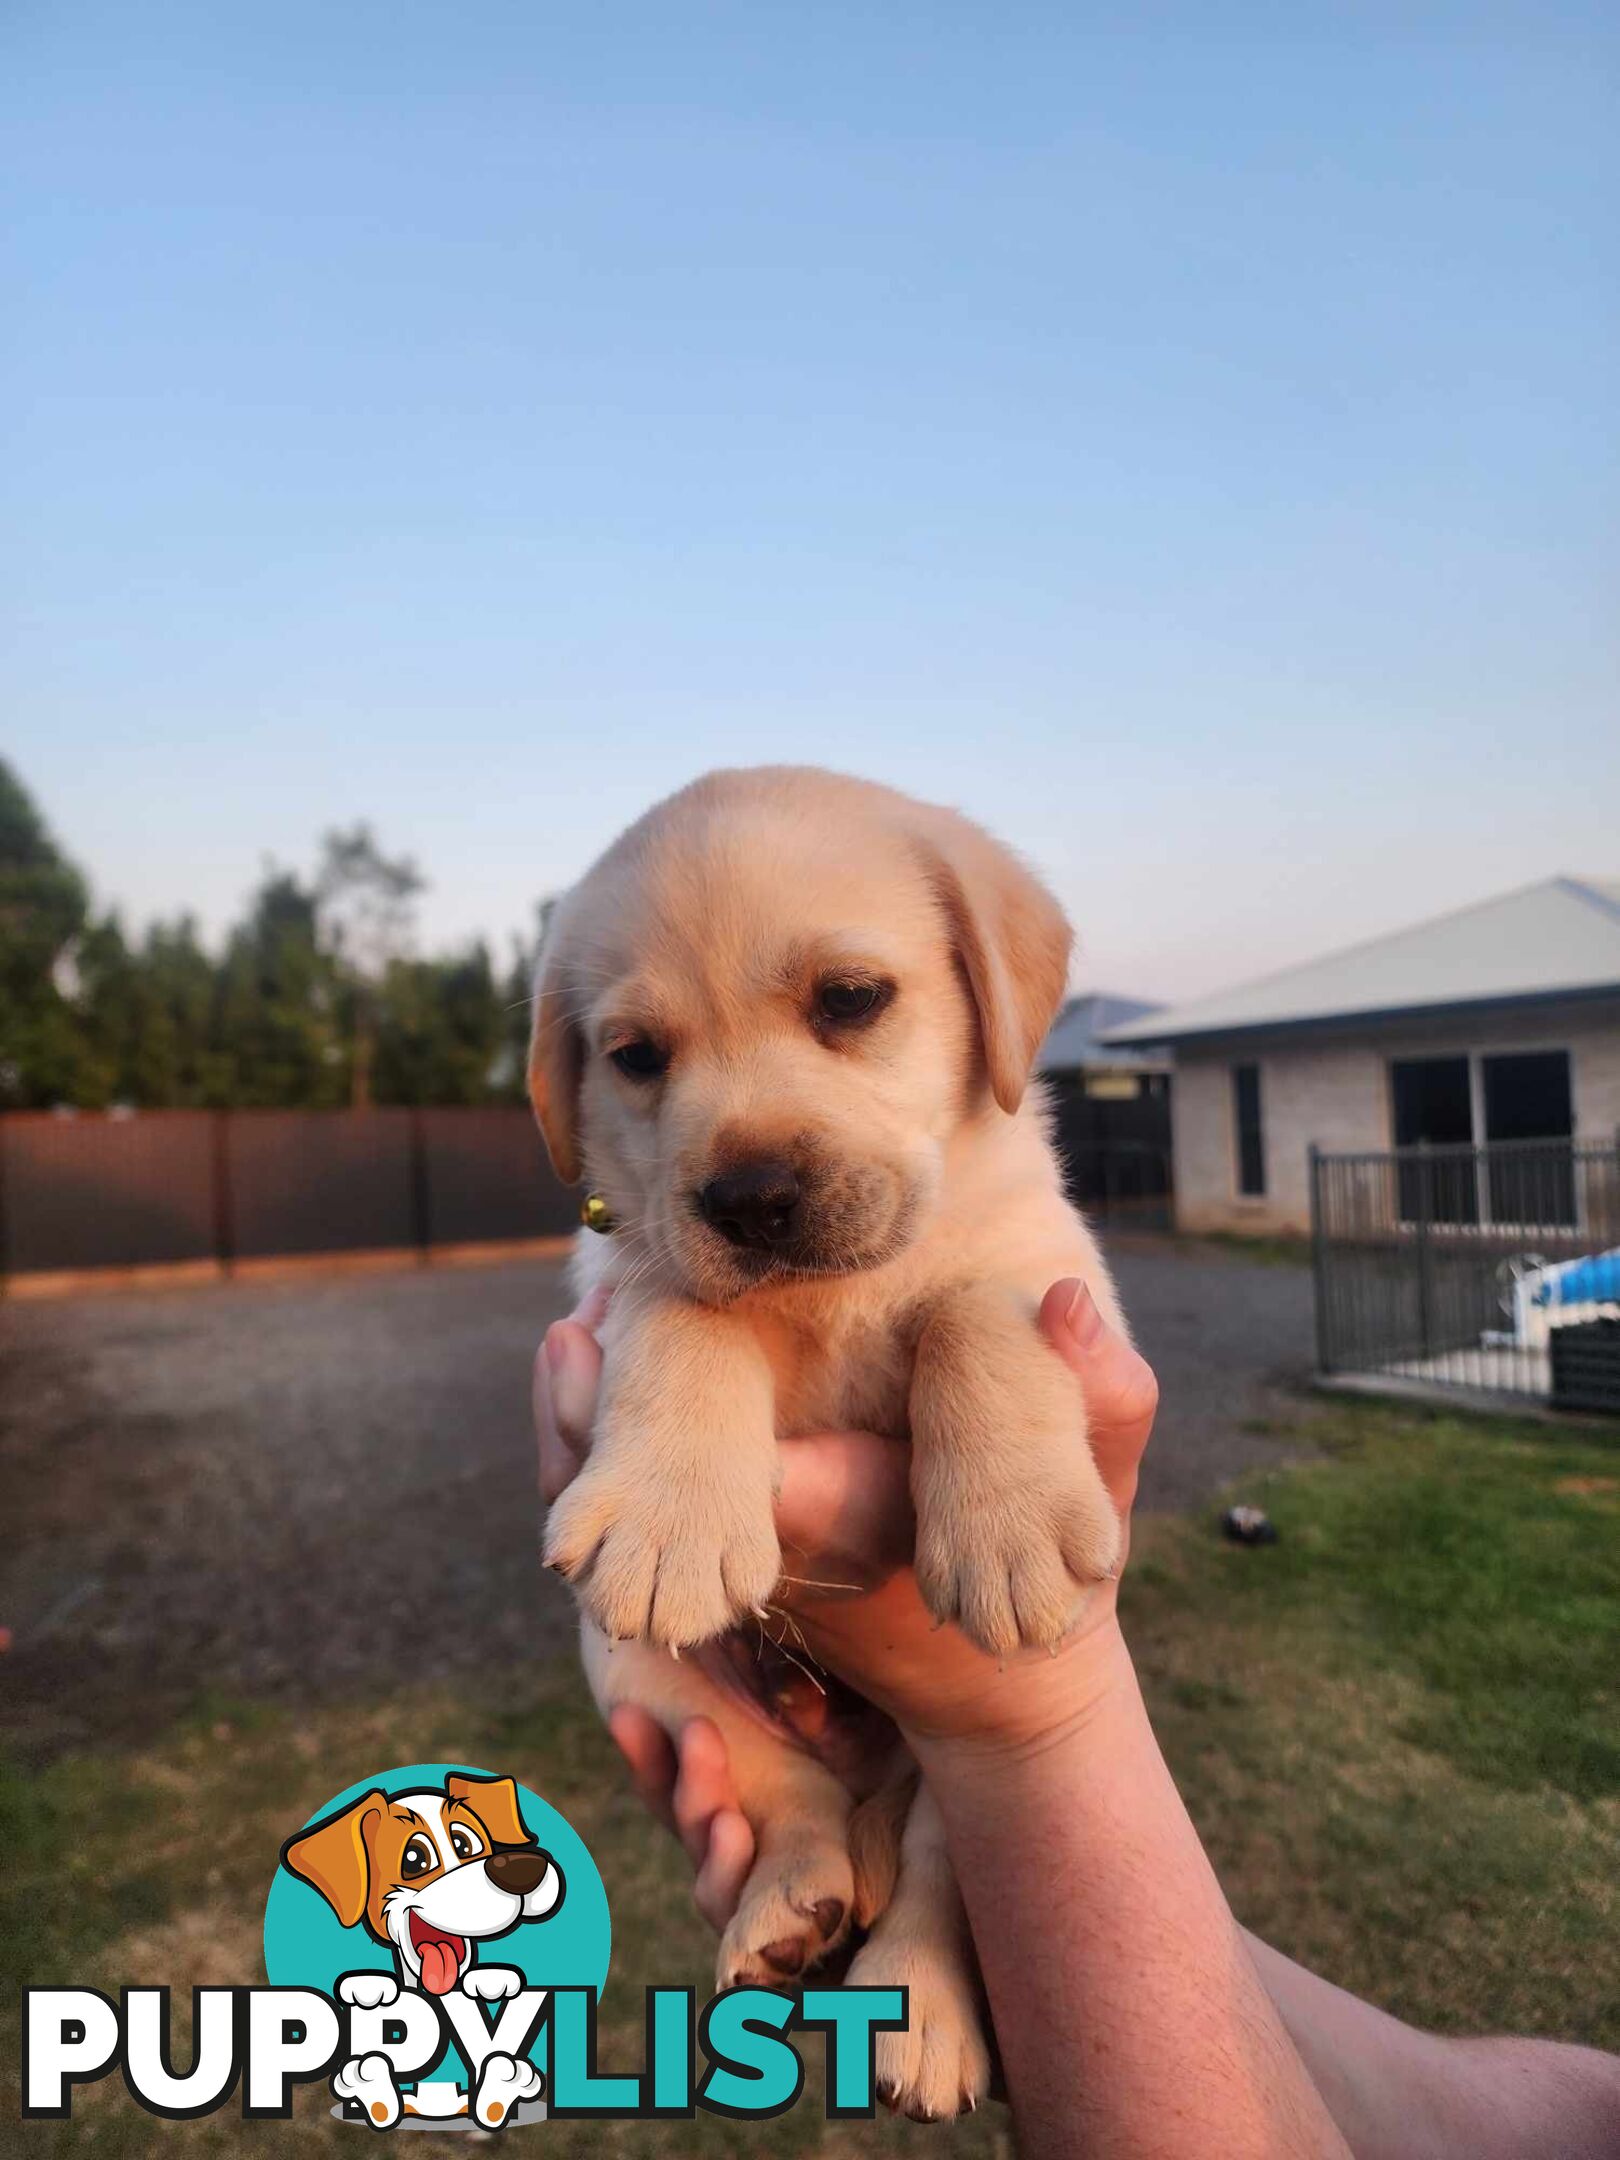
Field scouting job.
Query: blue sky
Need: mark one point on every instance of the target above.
(1191, 446)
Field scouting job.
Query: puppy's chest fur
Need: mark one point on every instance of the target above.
(843, 1368)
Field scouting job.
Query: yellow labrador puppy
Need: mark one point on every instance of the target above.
(785, 1028)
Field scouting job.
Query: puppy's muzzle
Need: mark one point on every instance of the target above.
(516, 1872)
(756, 1207)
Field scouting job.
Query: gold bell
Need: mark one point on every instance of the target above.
(595, 1213)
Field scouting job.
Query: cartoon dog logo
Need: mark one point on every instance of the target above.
(433, 1874)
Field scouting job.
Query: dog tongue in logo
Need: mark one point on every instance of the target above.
(441, 1956)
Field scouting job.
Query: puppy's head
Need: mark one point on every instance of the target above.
(763, 1015)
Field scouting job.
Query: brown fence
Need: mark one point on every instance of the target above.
(167, 1186)
(163, 1187)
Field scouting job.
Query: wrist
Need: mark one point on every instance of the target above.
(1026, 1712)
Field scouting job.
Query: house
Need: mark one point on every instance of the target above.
(1111, 1108)
(1497, 1022)
(1076, 1051)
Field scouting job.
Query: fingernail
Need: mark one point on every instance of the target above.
(1085, 1321)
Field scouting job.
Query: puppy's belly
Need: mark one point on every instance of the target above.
(766, 1701)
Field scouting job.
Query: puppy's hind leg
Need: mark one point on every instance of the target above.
(797, 1901)
(939, 2064)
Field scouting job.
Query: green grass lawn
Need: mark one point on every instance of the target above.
(1398, 1728)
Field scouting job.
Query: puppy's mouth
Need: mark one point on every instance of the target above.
(822, 1221)
(728, 1271)
(443, 1956)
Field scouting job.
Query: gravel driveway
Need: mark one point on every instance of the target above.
(311, 1487)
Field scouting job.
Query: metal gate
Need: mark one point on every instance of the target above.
(1115, 1153)
(1494, 1269)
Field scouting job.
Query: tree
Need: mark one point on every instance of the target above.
(367, 915)
(509, 1073)
(278, 1020)
(316, 998)
(43, 903)
(191, 1067)
(440, 1025)
(148, 1011)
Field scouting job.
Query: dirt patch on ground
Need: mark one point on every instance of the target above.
(309, 1489)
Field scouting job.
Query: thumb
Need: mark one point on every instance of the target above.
(1117, 1382)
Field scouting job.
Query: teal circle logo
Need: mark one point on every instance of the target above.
(450, 1882)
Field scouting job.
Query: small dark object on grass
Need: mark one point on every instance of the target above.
(1249, 1526)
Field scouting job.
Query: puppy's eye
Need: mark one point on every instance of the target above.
(464, 1842)
(845, 1001)
(641, 1059)
(418, 1858)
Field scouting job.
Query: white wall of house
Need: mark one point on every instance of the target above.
(1334, 1089)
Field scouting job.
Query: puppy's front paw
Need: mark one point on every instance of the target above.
(670, 1564)
(1014, 1562)
(368, 1990)
(491, 1983)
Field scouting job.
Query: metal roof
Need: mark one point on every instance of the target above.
(1559, 936)
(1075, 1043)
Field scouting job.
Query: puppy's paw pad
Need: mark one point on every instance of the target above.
(790, 1916)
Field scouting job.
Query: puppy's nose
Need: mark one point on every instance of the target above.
(757, 1205)
(517, 1872)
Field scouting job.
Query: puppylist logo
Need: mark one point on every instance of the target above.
(435, 1943)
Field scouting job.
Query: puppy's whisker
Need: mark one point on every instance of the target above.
(797, 1662)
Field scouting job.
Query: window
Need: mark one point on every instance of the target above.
(1434, 1107)
(1451, 1103)
(1434, 1102)
(1251, 1152)
(1527, 1097)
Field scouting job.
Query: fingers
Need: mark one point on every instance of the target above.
(1121, 1392)
(574, 1365)
(693, 1794)
(650, 1758)
(703, 1786)
(567, 1375)
(718, 1889)
(592, 1308)
(718, 1838)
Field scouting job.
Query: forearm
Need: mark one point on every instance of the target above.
(1400, 2094)
(1130, 2015)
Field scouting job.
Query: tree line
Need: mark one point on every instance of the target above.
(315, 999)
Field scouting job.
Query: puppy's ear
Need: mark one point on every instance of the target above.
(334, 1858)
(1012, 940)
(556, 1053)
(494, 1801)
